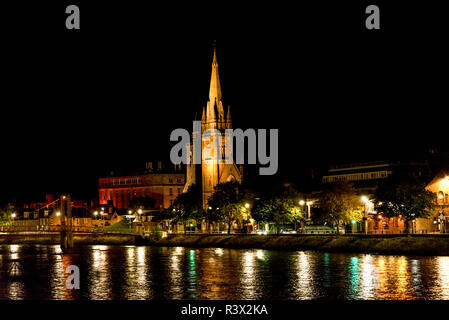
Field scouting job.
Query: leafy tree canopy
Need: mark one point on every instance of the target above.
(227, 203)
(280, 208)
(406, 197)
(339, 204)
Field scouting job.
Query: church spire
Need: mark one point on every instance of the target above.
(215, 87)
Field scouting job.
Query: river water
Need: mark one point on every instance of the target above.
(130, 272)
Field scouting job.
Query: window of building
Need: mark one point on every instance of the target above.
(171, 191)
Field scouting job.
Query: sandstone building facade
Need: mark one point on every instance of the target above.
(212, 170)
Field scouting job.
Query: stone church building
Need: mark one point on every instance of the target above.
(212, 170)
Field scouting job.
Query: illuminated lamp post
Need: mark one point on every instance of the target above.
(13, 215)
(441, 198)
(365, 201)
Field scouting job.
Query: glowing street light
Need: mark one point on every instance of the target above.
(130, 212)
(96, 213)
(302, 202)
(365, 200)
(58, 214)
(247, 205)
(139, 211)
(13, 215)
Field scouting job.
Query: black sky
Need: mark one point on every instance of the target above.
(78, 106)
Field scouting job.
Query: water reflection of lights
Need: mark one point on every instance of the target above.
(136, 276)
(175, 274)
(247, 277)
(354, 274)
(402, 277)
(260, 254)
(192, 275)
(100, 286)
(219, 251)
(368, 277)
(416, 274)
(304, 287)
(443, 277)
(15, 290)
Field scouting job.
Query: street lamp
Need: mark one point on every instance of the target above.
(247, 205)
(365, 200)
(309, 204)
(96, 214)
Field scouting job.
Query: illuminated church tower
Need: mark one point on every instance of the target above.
(212, 171)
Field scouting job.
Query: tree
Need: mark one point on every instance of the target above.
(5, 219)
(279, 209)
(339, 204)
(188, 206)
(5, 216)
(227, 201)
(404, 197)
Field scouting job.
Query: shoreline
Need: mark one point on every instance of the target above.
(390, 245)
(398, 245)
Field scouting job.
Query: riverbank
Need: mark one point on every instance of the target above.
(79, 239)
(392, 245)
(412, 245)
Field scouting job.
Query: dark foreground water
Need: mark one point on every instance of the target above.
(129, 272)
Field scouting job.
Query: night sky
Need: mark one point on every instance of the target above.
(76, 106)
